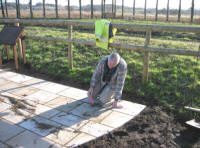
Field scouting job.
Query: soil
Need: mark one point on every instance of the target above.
(155, 127)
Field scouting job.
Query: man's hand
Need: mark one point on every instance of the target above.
(116, 105)
(90, 92)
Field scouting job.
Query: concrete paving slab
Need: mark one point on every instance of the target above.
(10, 87)
(80, 139)
(8, 130)
(45, 111)
(3, 81)
(194, 123)
(19, 78)
(130, 108)
(63, 136)
(36, 83)
(116, 119)
(100, 115)
(40, 125)
(86, 111)
(69, 120)
(95, 129)
(3, 145)
(15, 115)
(28, 140)
(63, 103)
(74, 93)
(4, 106)
(54, 87)
(25, 91)
(7, 74)
(9, 98)
(41, 96)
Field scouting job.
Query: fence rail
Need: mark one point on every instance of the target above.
(146, 48)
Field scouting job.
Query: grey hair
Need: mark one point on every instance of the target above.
(114, 57)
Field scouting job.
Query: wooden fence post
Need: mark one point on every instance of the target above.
(146, 58)
(56, 3)
(134, 9)
(2, 9)
(44, 11)
(145, 10)
(80, 8)
(69, 9)
(156, 17)
(31, 9)
(70, 51)
(19, 44)
(167, 17)
(192, 12)
(179, 11)
(91, 9)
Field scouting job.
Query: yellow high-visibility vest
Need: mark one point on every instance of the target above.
(102, 33)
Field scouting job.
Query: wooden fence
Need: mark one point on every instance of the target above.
(103, 10)
(145, 28)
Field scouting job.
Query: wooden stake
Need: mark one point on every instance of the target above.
(8, 52)
(15, 57)
(70, 51)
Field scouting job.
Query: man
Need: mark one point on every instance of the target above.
(108, 80)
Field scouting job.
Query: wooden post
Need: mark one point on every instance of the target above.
(70, 51)
(156, 17)
(192, 12)
(146, 58)
(101, 8)
(31, 8)
(16, 1)
(115, 13)
(69, 9)
(167, 17)
(15, 57)
(104, 8)
(56, 3)
(0, 58)
(91, 9)
(8, 52)
(80, 7)
(24, 51)
(179, 11)
(44, 11)
(134, 9)
(112, 8)
(19, 44)
(145, 10)
(2, 9)
(6, 5)
(122, 8)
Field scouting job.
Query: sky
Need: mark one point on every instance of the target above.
(174, 4)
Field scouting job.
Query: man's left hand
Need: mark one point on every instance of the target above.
(116, 105)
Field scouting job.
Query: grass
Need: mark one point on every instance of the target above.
(174, 81)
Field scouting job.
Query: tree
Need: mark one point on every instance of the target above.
(80, 7)
(44, 13)
(134, 9)
(122, 8)
(192, 11)
(56, 2)
(69, 9)
(167, 19)
(156, 17)
(6, 8)
(145, 10)
(179, 11)
(92, 9)
(2, 9)
(31, 9)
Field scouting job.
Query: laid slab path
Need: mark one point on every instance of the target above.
(35, 113)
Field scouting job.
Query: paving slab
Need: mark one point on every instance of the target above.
(194, 123)
(10, 86)
(7, 74)
(63, 136)
(3, 145)
(69, 120)
(20, 78)
(8, 130)
(29, 140)
(54, 87)
(25, 91)
(96, 129)
(63, 103)
(111, 119)
(41, 96)
(74, 93)
(80, 139)
(3, 81)
(40, 125)
(4, 106)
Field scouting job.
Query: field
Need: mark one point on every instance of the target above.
(173, 83)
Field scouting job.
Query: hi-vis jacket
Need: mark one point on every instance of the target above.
(103, 33)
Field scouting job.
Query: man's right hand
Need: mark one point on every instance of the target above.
(90, 92)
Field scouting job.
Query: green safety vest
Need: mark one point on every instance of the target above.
(102, 33)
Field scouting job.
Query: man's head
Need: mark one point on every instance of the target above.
(113, 60)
